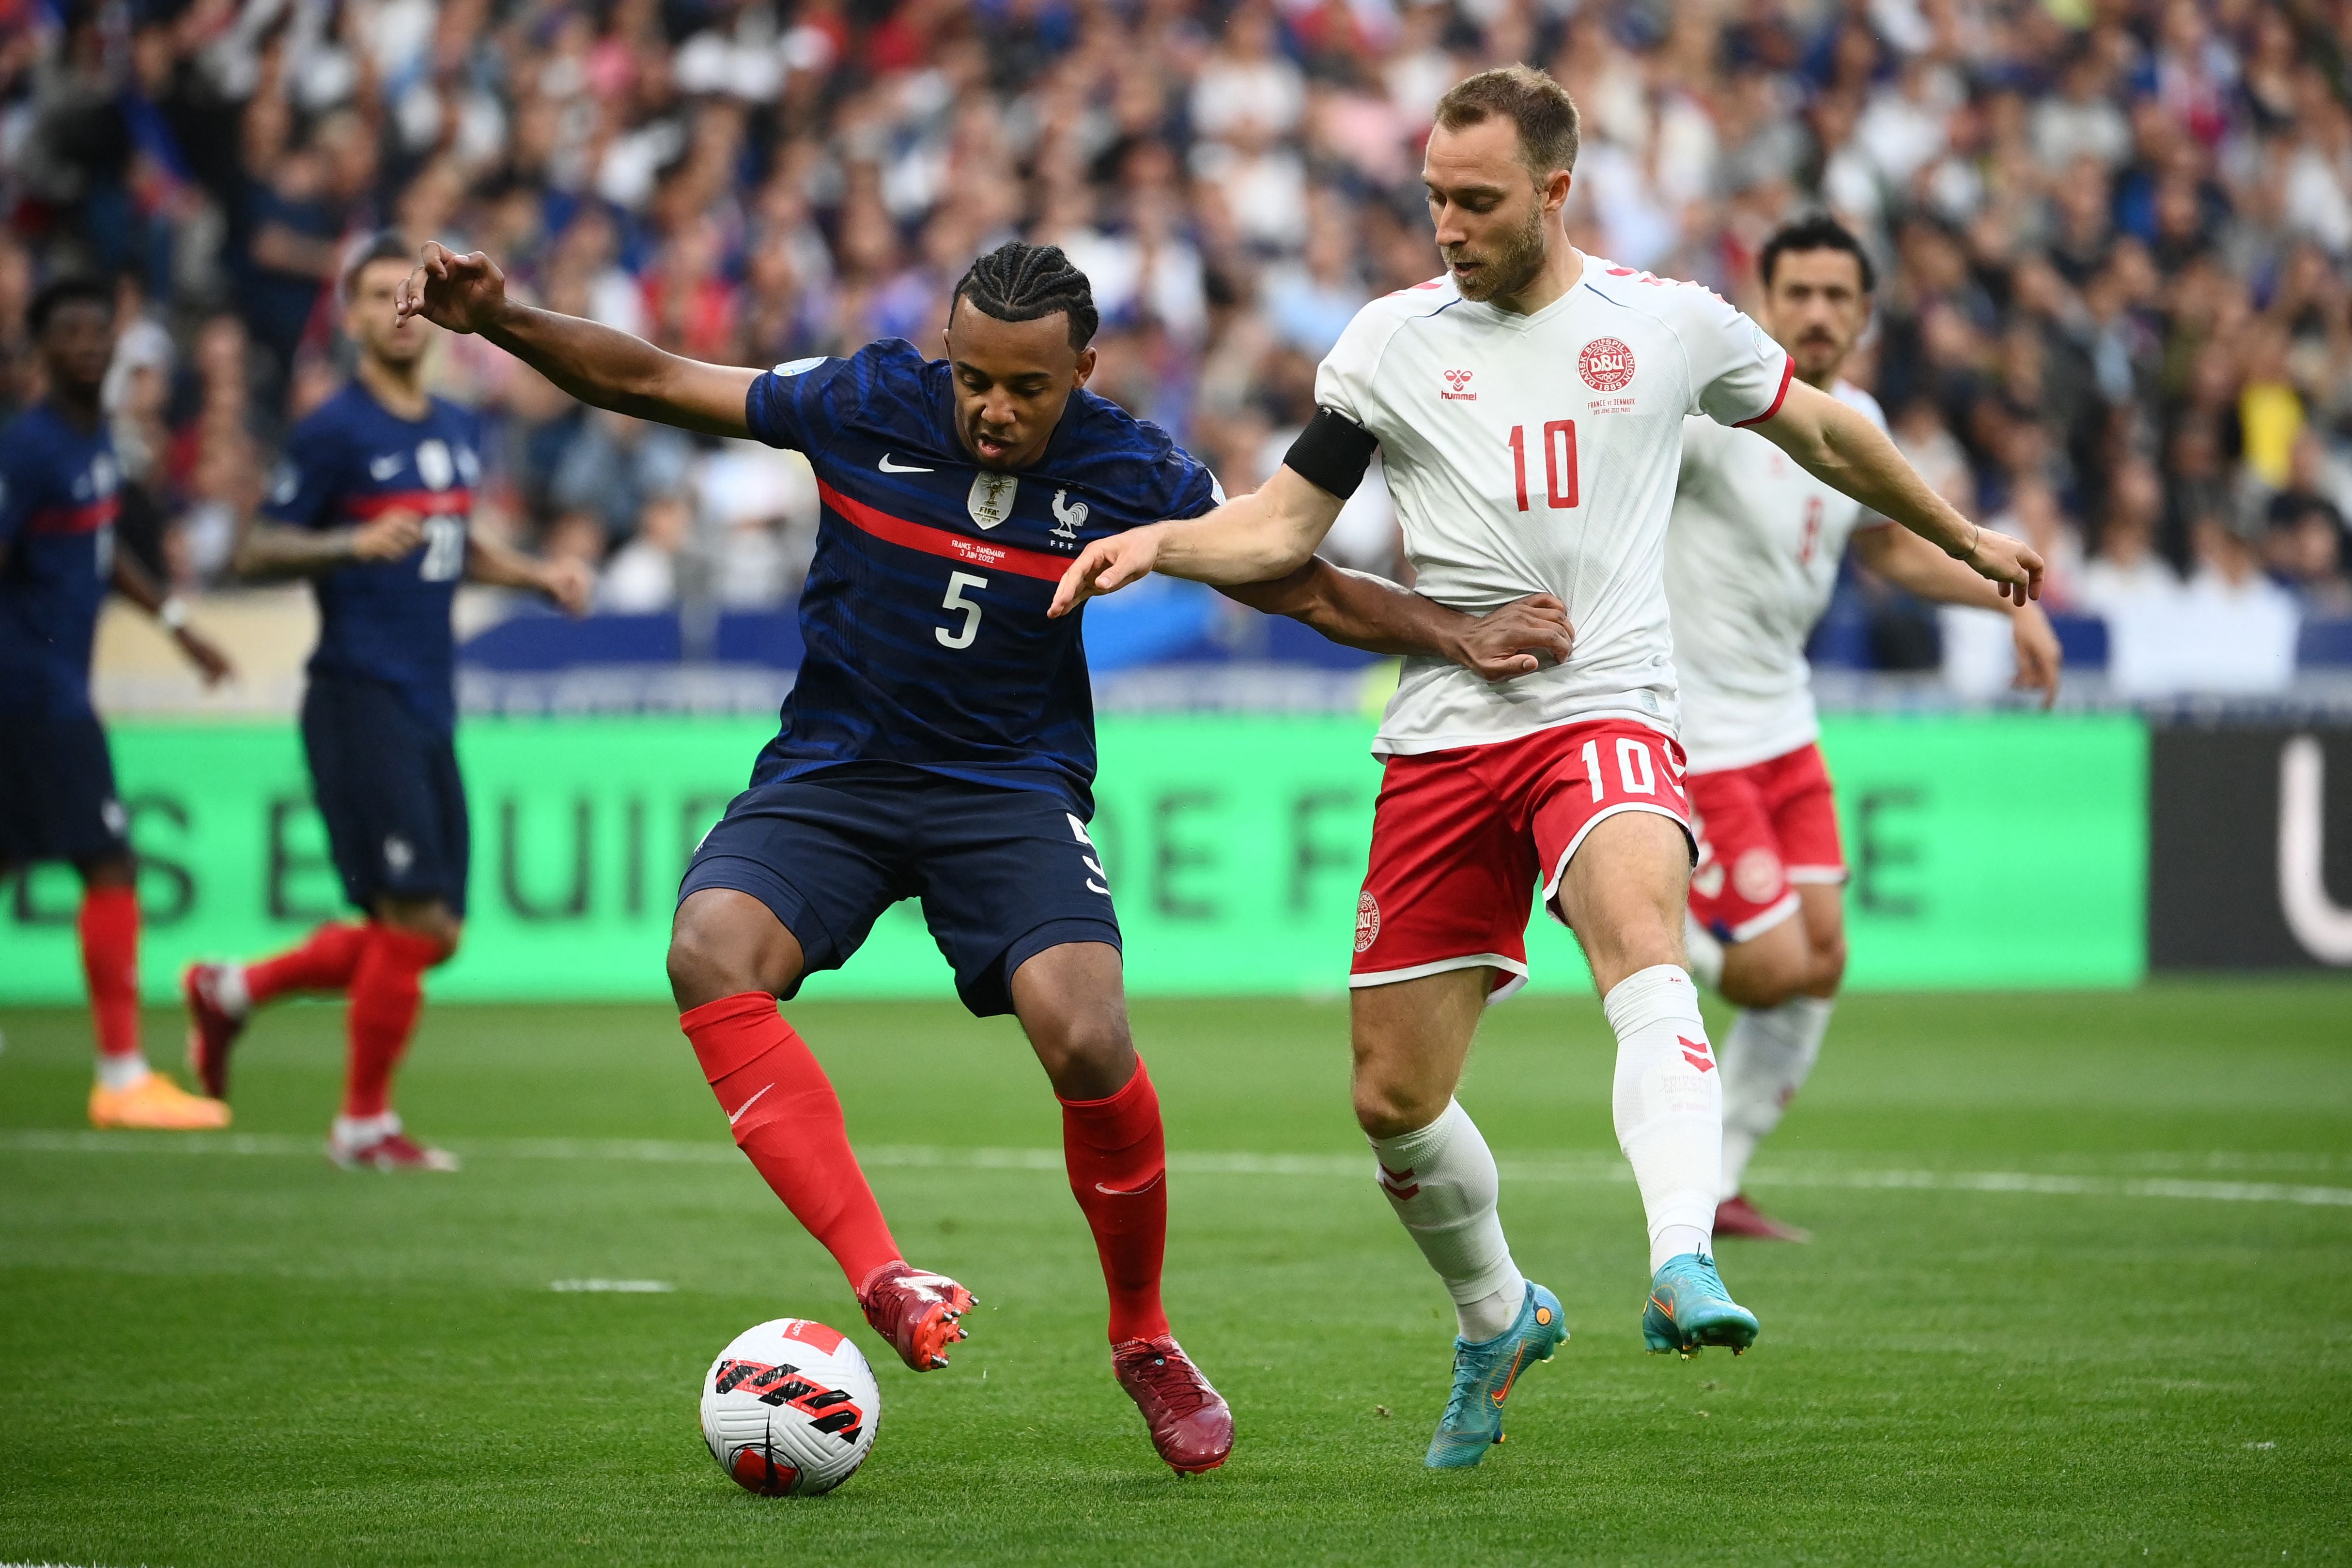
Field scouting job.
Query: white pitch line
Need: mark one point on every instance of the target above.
(1595, 1169)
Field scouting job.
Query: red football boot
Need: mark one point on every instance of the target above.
(212, 1028)
(388, 1148)
(919, 1314)
(1735, 1216)
(1189, 1421)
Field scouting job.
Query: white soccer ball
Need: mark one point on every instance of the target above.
(790, 1408)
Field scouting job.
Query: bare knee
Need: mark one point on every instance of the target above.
(722, 944)
(1388, 1109)
(1090, 1057)
(1071, 1000)
(1828, 968)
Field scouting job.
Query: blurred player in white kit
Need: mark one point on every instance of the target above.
(1752, 556)
(1529, 409)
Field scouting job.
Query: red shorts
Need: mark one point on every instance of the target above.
(1462, 838)
(1762, 829)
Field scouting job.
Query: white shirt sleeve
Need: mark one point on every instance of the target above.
(1738, 374)
(1343, 382)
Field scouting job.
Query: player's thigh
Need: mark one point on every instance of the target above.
(1071, 999)
(1006, 876)
(806, 868)
(1824, 923)
(1622, 893)
(1451, 878)
(1409, 1040)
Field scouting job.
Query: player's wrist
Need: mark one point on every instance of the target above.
(171, 614)
(1968, 550)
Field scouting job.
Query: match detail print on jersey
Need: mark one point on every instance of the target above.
(939, 541)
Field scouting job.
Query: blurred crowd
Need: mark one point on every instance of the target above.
(2114, 234)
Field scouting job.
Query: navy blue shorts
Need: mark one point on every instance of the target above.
(56, 791)
(1004, 874)
(387, 787)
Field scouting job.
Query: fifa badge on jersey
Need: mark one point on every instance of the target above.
(990, 501)
(435, 466)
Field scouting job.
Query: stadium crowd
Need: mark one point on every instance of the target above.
(2113, 314)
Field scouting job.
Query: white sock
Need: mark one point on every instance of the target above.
(1704, 952)
(117, 1073)
(1441, 1182)
(1765, 1059)
(1668, 1100)
(358, 1132)
(230, 993)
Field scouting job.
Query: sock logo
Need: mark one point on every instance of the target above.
(1399, 1184)
(1694, 1051)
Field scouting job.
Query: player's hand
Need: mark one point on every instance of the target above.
(389, 537)
(570, 583)
(463, 293)
(210, 662)
(1517, 639)
(1107, 565)
(2038, 655)
(2011, 564)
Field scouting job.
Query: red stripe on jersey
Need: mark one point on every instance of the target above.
(940, 542)
(428, 502)
(84, 519)
(1788, 369)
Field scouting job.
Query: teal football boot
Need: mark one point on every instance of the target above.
(1484, 1371)
(1689, 1307)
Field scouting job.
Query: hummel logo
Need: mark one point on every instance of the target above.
(382, 468)
(1399, 1184)
(889, 467)
(1695, 1053)
(1457, 380)
(736, 1115)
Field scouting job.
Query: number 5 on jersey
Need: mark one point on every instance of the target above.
(962, 636)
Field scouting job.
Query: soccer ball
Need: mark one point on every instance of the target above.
(790, 1408)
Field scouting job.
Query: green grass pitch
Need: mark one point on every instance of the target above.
(2082, 1292)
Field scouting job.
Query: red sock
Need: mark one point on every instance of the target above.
(1117, 1157)
(326, 961)
(387, 990)
(786, 1117)
(109, 962)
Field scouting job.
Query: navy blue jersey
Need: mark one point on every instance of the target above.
(58, 505)
(388, 622)
(924, 615)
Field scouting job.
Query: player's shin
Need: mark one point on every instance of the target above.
(1441, 1180)
(326, 960)
(787, 1120)
(387, 993)
(1668, 1103)
(1118, 1159)
(109, 928)
(1766, 1057)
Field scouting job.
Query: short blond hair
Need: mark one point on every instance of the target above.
(1539, 107)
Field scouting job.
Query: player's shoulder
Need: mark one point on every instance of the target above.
(1677, 304)
(26, 435)
(1378, 319)
(1107, 449)
(347, 412)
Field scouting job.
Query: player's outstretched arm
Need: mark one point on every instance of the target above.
(129, 579)
(269, 550)
(1838, 446)
(1268, 533)
(1358, 610)
(1908, 562)
(594, 363)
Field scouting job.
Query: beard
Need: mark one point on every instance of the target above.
(1511, 268)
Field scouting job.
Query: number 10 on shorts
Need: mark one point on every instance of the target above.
(1635, 773)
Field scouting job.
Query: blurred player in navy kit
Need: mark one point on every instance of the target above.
(940, 743)
(375, 505)
(57, 506)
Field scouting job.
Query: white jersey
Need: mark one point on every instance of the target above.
(1538, 455)
(1751, 560)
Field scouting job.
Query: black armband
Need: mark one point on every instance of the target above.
(1332, 453)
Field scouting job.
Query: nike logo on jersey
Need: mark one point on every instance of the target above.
(889, 467)
(382, 468)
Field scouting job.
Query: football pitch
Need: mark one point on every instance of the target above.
(2082, 1291)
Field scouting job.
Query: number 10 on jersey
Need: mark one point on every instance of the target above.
(1559, 460)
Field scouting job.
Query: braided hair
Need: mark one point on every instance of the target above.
(1019, 282)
